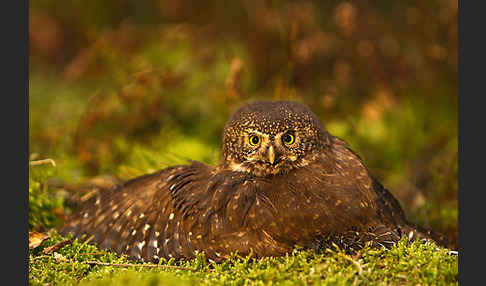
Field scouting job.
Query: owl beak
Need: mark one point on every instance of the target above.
(271, 154)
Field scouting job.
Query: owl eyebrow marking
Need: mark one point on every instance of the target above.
(263, 135)
(285, 132)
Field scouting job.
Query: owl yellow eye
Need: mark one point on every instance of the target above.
(288, 139)
(254, 140)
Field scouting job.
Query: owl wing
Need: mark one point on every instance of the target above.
(390, 210)
(142, 218)
(388, 207)
(392, 222)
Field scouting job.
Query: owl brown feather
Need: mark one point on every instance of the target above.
(313, 192)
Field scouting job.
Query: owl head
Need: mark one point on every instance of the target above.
(267, 138)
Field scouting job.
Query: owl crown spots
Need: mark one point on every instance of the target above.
(272, 117)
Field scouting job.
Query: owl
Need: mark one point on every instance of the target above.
(283, 181)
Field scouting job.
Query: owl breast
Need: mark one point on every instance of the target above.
(237, 212)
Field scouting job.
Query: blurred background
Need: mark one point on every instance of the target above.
(127, 87)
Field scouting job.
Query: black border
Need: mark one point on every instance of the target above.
(14, 118)
(471, 175)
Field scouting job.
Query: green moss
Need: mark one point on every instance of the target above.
(405, 264)
(44, 204)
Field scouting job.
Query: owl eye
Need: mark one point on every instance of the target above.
(254, 140)
(288, 139)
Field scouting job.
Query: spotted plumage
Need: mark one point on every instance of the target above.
(283, 181)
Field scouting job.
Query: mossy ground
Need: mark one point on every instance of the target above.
(414, 263)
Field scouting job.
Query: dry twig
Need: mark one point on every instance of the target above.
(61, 258)
(41, 256)
(137, 265)
(57, 246)
(43, 161)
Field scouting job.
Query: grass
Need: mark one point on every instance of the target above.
(405, 264)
